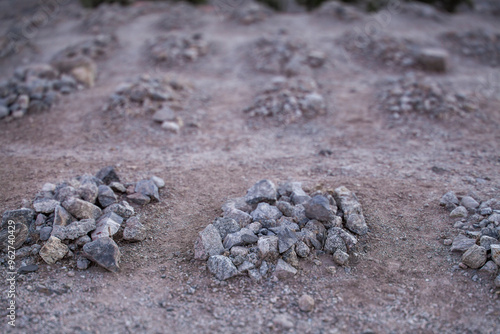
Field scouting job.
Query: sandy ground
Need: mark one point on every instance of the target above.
(402, 282)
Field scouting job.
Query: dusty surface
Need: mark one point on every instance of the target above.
(402, 282)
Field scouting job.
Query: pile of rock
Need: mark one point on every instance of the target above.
(181, 15)
(177, 49)
(421, 10)
(148, 95)
(282, 55)
(414, 94)
(79, 59)
(287, 100)
(33, 89)
(251, 12)
(479, 44)
(479, 241)
(391, 52)
(106, 17)
(269, 229)
(339, 11)
(79, 219)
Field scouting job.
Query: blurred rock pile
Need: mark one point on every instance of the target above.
(177, 49)
(251, 12)
(478, 44)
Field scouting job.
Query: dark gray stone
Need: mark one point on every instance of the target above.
(106, 196)
(83, 240)
(286, 238)
(122, 209)
(268, 247)
(24, 216)
(283, 270)
(74, 230)
(117, 186)
(334, 241)
(319, 208)
(301, 249)
(262, 191)
(241, 217)
(148, 188)
(81, 209)
(340, 257)
(62, 217)
(45, 233)
(461, 243)
(45, 205)
(469, 203)
(31, 268)
(139, 199)
(108, 175)
(208, 243)
(134, 230)
(64, 192)
(107, 225)
(20, 234)
(474, 257)
(104, 252)
(285, 207)
(449, 200)
(264, 211)
(82, 263)
(486, 242)
(290, 257)
(88, 189)
(243, 237)
(221, 267)
(226, 226)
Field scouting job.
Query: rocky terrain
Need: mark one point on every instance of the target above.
(215, 106)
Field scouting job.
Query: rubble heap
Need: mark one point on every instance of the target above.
(270, 229)
(251, 12)
(479, 44)
(177, 49)
(479, 238)
(339, 11)
(79, 219)
(287, 100)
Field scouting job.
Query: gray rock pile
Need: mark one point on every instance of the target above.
(395, 53)
(181, 15)
(479, 224)
(339, 11)
(177, 49)
(107, 17)
(80, 219)
(161, 98)
(415, 94)
(283, 55)
(250, 12)
(481, 45)
(287, 100)
(270, 229)
(33, 89)
(422, 11)
(79, 59)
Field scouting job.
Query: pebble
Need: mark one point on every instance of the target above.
(306, 303)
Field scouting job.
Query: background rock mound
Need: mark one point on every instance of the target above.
(177, 49)
(270, 229)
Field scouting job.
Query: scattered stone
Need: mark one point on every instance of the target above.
(242, 218)
(139, 199)
(74, 230)
(334, 242)
(449, 200)
(81, 209)
(306, 303)
(285, 101)
(469, 203)
(20, 235)
(123, 209)
(89, 190)
(265, 211)
(226, 226)
(221, 267)
(283, 321)
(106, 196)
(301, 249)
(243, 237)
(24, 216)
(447, 242)
(148, 188)
(208, 243)
(53, 250)
(340, 257)
(62, 217)
(45, 232)
(290, 257)
(268, 247)
(474, 257)
(104, 252)
(118, 187)
(284, 270)
(134, 231)
(27, 269)
(158, 181)
(487, 241)
(83, 240)
(286, 239)
(490, 269)
(459, 212)
(461, 243)
(82, 263)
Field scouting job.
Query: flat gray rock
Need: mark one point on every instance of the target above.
(264, 211)
(221, 267)
(104, 252)
(148, 188)
(82, 209)
(284, 270)
(74, 230)
(474, 257)
(461, 243)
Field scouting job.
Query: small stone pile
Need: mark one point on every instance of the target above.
(269, 229)
(414, 94)
(148, 95)
(181, 15)
(79, 219)
(479, 222)
(79, 59)
(106, 17)
(339, 11)
(479, 44)
(282, 55)
(177, 49)
(33, 89)
(288, 100)
(422, 10)
(251, 12)
(391, 52)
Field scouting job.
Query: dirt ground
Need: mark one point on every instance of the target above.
(403, 280)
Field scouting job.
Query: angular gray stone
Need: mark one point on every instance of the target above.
(459, 212)
(494, 218)
(62, 217)
(264, 211)
(449, 200)
(461, 243)
(104, 252)
(139, 199)
(160, 183)
(262, 191)
(285, 208)
(164, 114)
(340, 257)
(433, 59)
(245, 266)
(45, 205)
(319, 208)
(495, 254)
(64, 192)
(83, 240)
(255, 227)
(88, 190)
(82, 263)
(107, 225)
(497, 282)
(24, 216)
(134, 230)
(74, 230)
(45, 233)
(122, 209)
(469, 203)
(107, 175)
(284, 270)
(221, 267)
(243, 237)
(334, 241)
(490, 269)
(226, 226)
(290, 257)
(20, 234)
(353, 213)
(208, 243)
(299, 215)
(27, 269)
(287, 222)
(486, 242)
(241, 217)
(117, 186)
(81, 209)
(286, 239)
(268, 247)
(239, 251)
(254, 274)
(238, 203)
(148, 188)
(474, 257)
(301, 249)
(53, 250)
(106, 196)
